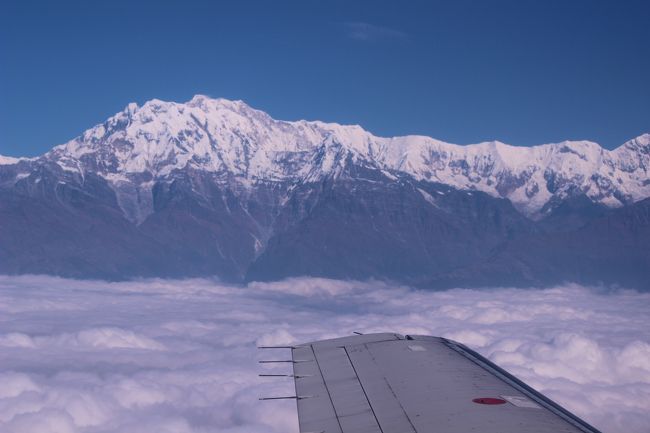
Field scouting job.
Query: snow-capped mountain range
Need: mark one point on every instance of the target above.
(245, 145)
(215, 187)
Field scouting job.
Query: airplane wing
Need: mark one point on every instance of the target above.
(388, 383)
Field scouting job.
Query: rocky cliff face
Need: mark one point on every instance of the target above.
(215, 187)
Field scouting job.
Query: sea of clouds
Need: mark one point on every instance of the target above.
(180, 356)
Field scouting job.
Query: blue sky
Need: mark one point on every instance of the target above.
(521, 71)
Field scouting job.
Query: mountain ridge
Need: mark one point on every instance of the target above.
(223, 136)
(213, 187)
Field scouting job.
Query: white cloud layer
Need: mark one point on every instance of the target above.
(180, 357)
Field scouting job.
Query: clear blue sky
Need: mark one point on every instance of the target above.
(520, 71)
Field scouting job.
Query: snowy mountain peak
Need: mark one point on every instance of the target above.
(243, 145)
(131, 108)
(8, 160)
(639, 143)
(208, 102)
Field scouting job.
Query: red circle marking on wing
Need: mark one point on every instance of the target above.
(489, 400)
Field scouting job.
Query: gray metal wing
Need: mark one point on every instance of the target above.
(388, 383)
